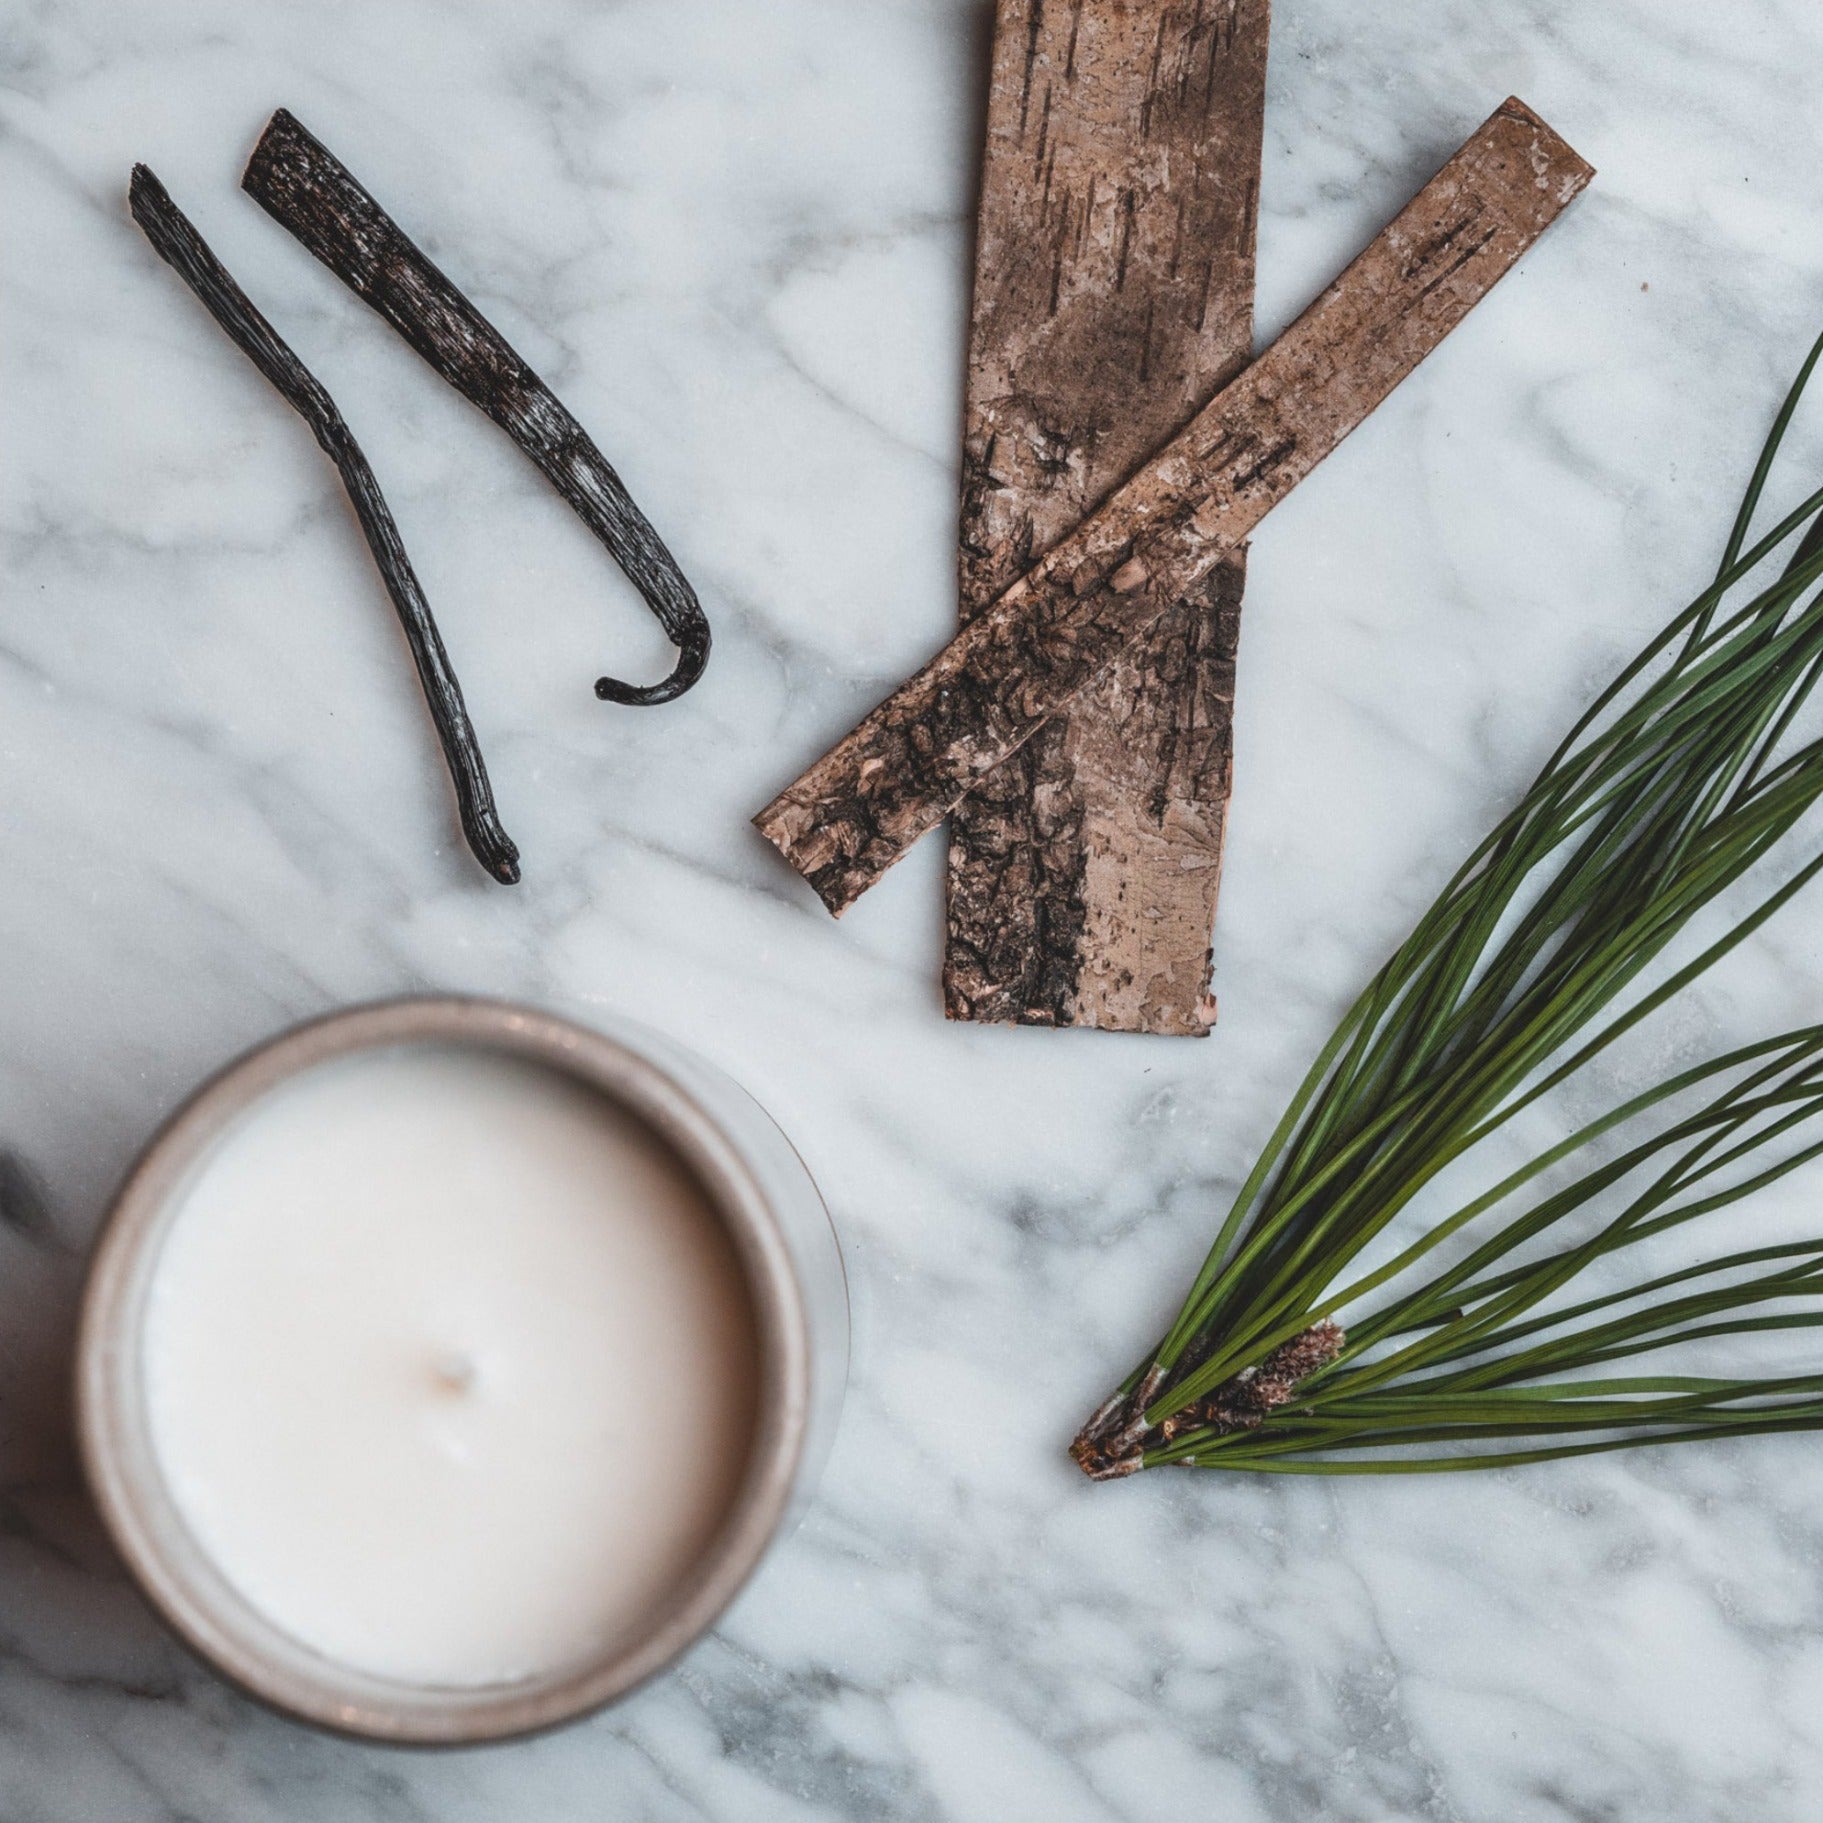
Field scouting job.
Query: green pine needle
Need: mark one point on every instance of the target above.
(1683, 775)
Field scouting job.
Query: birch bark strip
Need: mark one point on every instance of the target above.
(847, 819)
(1113, 297)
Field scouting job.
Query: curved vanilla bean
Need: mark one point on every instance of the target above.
(310, 193)
(181, 247)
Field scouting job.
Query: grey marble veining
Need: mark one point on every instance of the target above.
(734, 233)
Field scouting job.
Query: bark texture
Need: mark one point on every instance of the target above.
(1113, 297)
(1159, 537)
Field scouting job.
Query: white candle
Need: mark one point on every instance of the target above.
(449, 1366)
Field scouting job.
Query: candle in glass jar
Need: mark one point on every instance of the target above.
(449, 1365)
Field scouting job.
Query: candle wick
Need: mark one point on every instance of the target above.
(455, 1370)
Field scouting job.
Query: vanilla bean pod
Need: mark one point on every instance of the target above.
(310, 193)
(177, 242)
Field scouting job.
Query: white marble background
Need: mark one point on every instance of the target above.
(735, 234)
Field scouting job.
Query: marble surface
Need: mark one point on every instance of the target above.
(734, 233)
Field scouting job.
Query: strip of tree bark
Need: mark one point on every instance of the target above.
(309, 192)
(177, 242)
(1114, 272)
(847, 819)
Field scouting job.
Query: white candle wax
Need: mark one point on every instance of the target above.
(449, 1365)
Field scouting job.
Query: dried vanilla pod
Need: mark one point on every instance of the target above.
(176, 242)
(307, 190)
